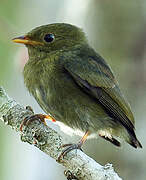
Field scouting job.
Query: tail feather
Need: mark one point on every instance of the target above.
(131, 139)
(112, 140)
(134, 142)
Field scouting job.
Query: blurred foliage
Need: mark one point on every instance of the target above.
(8, 16)
(116, 29)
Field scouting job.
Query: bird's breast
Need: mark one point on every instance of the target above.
(58, 95)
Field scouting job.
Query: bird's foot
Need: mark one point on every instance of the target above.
(73, 146)
(69, 147)
(39, 117)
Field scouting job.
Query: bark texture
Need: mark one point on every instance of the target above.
(79, 166)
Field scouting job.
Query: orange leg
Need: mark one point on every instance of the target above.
(73, 146)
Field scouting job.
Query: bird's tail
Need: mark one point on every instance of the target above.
(129, 137)
(112, 140)
(133, 141)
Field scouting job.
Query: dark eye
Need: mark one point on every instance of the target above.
(49, 37)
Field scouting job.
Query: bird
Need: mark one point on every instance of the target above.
(74, 85)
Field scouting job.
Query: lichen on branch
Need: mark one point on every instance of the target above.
(49, 141)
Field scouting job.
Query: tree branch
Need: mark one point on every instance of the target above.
(79, 165)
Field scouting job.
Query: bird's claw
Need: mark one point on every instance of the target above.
(69, 175)
(68, 149)
(28, 120)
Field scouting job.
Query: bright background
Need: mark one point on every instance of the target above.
(117, 30)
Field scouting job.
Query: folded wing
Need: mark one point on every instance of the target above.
(94, 76)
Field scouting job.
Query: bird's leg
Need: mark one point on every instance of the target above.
(73, 146)
(39, 117)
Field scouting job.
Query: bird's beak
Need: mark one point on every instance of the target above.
(26, 40)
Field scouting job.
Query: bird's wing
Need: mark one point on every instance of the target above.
(95, 77)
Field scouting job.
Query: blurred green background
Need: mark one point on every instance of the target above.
(117, 30)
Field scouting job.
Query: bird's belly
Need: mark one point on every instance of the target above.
(72, 132)
(72, 108)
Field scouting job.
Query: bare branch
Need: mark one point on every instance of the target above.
(49, 141)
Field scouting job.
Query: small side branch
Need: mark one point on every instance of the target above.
(77, 163)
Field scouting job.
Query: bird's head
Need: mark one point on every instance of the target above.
(52, 37)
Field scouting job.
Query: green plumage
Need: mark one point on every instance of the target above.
(75, 85)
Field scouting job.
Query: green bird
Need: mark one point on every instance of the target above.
(73, 84)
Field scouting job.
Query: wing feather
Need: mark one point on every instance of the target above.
(93, 74)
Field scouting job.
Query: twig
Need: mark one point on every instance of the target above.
(79, 165)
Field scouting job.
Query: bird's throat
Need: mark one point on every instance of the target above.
(36, 53)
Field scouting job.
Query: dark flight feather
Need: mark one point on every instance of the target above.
(112, 140)
(95, 77)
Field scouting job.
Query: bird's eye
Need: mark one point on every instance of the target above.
(49, 37)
